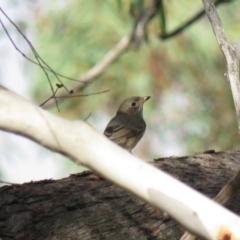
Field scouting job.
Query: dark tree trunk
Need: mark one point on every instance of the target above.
(84, 206)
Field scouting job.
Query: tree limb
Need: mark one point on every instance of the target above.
(228, 51)
(94, 72)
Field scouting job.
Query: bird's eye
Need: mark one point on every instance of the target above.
(133, 104)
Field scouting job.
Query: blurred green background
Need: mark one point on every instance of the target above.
(191, 109)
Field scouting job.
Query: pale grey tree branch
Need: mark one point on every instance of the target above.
(95, 71)
(229, 52)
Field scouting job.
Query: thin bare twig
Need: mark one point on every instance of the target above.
(82, 95)
(71, 96)
(40, 62)
(87, 117)
(48, 68)
(53, 96)
(33, 50)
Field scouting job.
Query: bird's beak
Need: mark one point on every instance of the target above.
(144, 99)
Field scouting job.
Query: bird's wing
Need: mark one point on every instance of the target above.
(117, 128)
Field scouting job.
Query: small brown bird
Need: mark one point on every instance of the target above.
(128, 126)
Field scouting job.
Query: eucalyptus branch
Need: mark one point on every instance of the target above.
(229, 52)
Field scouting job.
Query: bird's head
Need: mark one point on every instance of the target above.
(133, 105)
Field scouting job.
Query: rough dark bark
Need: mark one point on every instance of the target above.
(84, 206)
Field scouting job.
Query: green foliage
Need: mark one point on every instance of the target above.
(191, 107)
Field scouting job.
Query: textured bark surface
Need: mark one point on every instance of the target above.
(84, 206)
